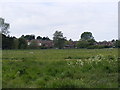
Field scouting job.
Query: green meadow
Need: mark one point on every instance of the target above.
(60, 68)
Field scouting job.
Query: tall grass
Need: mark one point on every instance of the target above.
(72, 68)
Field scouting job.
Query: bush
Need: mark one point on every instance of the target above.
(95, 47)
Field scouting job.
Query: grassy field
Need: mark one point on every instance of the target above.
(69, 68)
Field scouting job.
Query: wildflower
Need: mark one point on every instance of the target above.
(31, 52)
(81, 79)
(81, 63)
(68, 63)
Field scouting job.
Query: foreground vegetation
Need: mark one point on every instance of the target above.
(72, 68)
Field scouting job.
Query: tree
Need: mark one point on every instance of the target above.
(91, 41)
(22, 43)
(28, 37)
(45, 38)
(7, 42)
(15, 43)
(82, 44)
(58, 39)
(86, 36)
(4, 27)
(39, 38)
(70, 40)
(86, 41)
(117, 44)
(0, 41)
(34, 44)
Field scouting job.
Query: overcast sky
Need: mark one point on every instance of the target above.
(43, 18)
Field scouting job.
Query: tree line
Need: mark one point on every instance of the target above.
(86, 40)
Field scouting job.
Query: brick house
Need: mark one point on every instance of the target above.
(105, 43)
(40, 43)
(72, 44)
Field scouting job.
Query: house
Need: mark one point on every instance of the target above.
(46, 43)
(105, 43)
(71, 44)
(41, 43)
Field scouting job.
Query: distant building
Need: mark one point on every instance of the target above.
(44, 43)
(105, 43)
(72, 44)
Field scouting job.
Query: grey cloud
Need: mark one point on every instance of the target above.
(71, 18)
